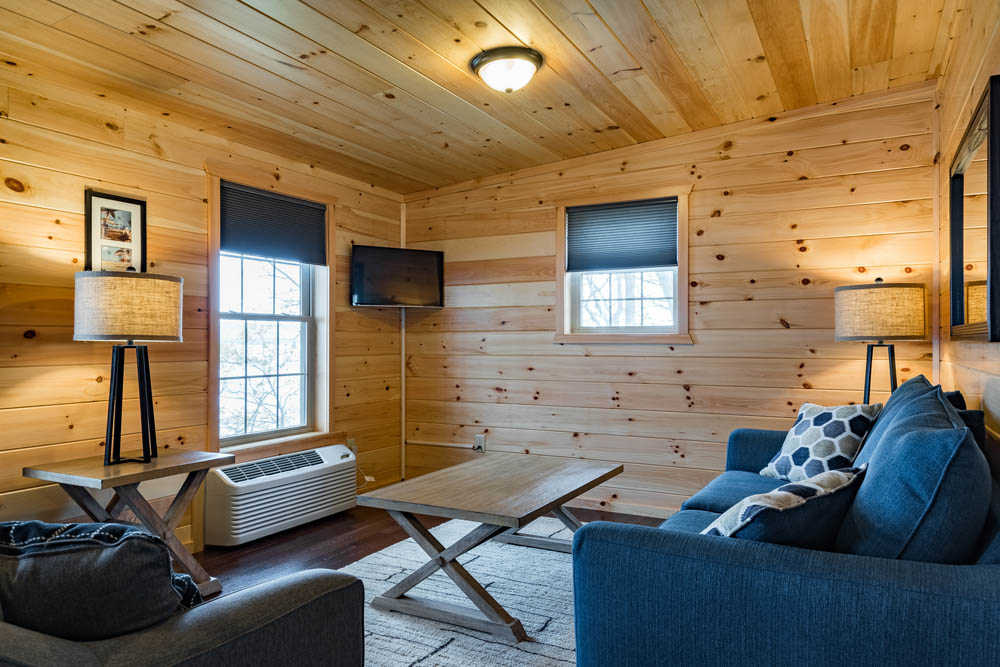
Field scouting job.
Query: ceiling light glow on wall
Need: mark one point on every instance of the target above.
(507, 68)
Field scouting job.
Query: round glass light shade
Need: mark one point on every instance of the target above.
(880, 311)
(127, 306)
(508, 68)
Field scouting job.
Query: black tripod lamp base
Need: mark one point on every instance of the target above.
(868, 368)
(113, 439)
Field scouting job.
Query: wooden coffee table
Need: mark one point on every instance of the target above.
(504, 493)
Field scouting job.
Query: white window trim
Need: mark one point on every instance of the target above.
(566, 304)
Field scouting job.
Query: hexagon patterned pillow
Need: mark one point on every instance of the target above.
(822, 439)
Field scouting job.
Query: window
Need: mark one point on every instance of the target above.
(622, 271)
(271, 315)
(265, 344)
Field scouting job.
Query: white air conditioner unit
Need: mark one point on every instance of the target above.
(250, 500)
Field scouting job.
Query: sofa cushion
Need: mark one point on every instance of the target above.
(87, 581)
(989, 542)
(957, 399)
(689, 521)
(804, 514)
(728, 489)
(822, 439)
(899, 399)
(927, 490)
(975, 420)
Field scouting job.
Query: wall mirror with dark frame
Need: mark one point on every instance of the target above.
(974, 223)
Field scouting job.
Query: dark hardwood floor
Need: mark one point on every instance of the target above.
(332, 543)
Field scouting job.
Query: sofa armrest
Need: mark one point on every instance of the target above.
(646, 596)
(21, 647)
(751, 449)
(315, 617)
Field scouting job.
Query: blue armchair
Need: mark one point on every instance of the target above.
(654, 596)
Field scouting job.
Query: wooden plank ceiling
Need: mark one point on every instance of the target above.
(380, 90)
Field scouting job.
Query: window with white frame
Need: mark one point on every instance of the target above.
(621, 271)
(265, 346)
(272, 293)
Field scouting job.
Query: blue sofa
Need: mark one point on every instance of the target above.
(671, 596)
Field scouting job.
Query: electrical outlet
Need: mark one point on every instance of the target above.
(480, 443)
(353, 446)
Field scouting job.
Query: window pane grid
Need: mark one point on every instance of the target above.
(624, 300)
(274, 377)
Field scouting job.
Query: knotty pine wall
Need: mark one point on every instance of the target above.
(57, 137)
(972, 367)
(782, 211)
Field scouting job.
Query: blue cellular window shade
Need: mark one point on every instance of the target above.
(267, 224)
(625, 235)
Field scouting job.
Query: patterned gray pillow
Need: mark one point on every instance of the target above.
(87, 581)
(822, 439)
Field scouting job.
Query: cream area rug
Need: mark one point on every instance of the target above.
(534, 585)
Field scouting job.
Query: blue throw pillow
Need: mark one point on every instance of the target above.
(974, 419)
(897, 401)
(956, 399)
(821, 439)
(88, 581)
(804, 514)
(927, 489)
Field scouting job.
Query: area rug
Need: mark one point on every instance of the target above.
(534, 585)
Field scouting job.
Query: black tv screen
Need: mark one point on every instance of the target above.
(397, 277)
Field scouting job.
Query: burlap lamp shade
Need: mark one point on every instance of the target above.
(880, 311)
(127, 306)
(975, 301)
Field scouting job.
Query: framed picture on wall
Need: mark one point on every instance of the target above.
(116, 232)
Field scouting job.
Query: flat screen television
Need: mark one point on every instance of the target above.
(396, 277)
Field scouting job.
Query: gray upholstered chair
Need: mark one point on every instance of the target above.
(313, 617)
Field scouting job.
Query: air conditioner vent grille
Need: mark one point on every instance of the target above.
(244, 472)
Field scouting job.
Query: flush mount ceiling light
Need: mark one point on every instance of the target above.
(507, 68)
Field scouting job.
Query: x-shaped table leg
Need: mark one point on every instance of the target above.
(128, 496)
(491, 616)
(511, 536)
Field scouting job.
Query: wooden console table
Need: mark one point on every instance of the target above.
(78, 476)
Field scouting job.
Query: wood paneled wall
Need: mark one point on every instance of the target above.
(59, 136)
(782, 210)
(972, 367)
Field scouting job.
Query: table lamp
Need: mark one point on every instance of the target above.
(975, 301)
(128, 306)
(879, 312)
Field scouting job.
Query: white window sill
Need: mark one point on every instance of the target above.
(626, 338)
